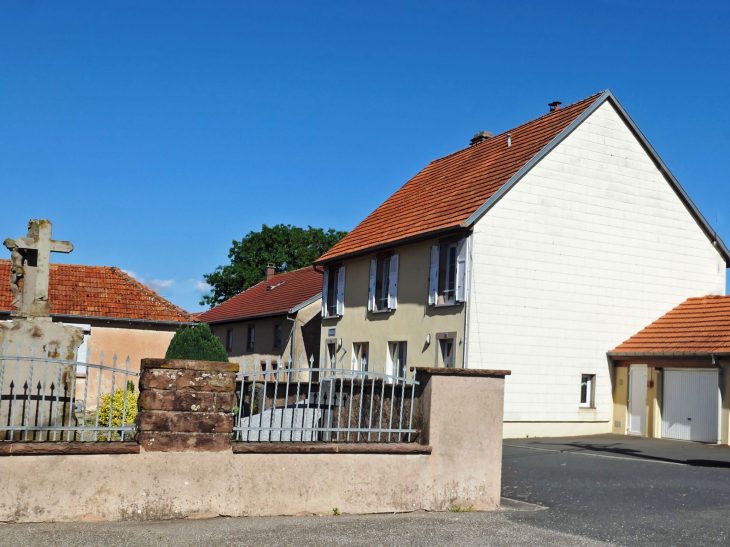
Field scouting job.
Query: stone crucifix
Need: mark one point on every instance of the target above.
(35, 250)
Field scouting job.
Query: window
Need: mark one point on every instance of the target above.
(446, 352)
(277, 336)
(331, 354)
(229, 340)
(251, 336)
(448, 275)
(587, 390)
(333, 292)
(397, 353)
(360, 356)
(383, 288)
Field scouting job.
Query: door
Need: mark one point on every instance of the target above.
(690, 405)
(637, 399)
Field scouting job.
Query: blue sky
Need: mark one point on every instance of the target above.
(152, 134)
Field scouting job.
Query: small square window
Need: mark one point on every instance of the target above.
(587, 390)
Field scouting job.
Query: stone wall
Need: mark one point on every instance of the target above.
(186, 405)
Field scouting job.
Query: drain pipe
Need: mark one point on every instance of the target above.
(716, 363)
(293, 338)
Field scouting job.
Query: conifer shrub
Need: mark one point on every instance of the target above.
(197, 344)
(118, 411)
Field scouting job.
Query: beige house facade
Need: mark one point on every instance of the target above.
(537, 251)
(407, 331)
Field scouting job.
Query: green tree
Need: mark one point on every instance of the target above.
(285, 246)
(197, 344)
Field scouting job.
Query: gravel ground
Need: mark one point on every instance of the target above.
(392, 530)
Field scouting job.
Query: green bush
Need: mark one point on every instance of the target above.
(117, 409)
(197, 344)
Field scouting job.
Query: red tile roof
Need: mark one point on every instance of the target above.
(449, 190)
(98, 291)
(276, 296)
(697, 325)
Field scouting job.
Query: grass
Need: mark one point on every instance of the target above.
(460, 509)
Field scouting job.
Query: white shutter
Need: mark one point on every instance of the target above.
(433, 276)
(341, 291)
(325, 283)
(393, 283)
(462, 270)
(371, 286)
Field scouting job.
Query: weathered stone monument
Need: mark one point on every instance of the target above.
(32, 332)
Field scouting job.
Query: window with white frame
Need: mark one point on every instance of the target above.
(587, 390)
(383, 288)
(448, 274)
(333, 292)
(397, 356)
(360, 356)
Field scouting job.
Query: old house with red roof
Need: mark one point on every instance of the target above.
(536, 250)
(118, 313)
(277, 319)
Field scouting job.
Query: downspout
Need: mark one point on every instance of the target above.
(716, 362)
(293, 337)
(465, 350)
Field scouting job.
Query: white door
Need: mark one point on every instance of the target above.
(637, 399)
(690, 405)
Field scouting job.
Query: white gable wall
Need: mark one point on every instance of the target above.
(588, 248)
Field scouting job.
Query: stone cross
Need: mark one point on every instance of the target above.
(36, 248)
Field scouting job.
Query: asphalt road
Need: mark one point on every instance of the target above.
(622, 490)
(453, 529)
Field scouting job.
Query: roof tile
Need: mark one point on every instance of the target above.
(449, 190)
(98, 291)
(278, 295)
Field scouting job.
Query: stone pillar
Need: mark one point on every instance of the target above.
(186, 405)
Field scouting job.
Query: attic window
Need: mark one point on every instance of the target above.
(270, 287)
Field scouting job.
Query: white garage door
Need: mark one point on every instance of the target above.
(690, 405)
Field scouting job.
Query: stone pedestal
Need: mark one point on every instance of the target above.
(186, 405)
(36, 336)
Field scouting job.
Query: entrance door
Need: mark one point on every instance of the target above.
(637, 399)
(690, 405)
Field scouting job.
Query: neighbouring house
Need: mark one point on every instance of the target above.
(119, 316)
(672, 379)
(277, 319)
(537, 250)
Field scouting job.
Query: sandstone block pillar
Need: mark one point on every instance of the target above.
(186, 405)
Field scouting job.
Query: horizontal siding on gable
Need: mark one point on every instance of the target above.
(587, 249)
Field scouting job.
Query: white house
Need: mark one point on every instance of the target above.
(538, 250)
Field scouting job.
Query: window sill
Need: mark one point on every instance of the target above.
(446, 304)
(586, 408)
(381, 311)
(331, 317)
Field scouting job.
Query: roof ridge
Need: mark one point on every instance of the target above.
(491, 139)
(166, 303)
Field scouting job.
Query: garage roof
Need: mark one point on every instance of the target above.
(698, 326)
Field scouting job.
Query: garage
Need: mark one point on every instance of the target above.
(690, 405)
(672, 379)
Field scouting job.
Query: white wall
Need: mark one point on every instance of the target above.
(588, 248)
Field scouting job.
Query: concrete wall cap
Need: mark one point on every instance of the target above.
(486, 373)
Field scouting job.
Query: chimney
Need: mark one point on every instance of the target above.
(270, 271)
(479, 137)
(555, 105)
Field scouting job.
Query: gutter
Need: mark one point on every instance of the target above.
(455, 228)
(712, 355)
(111, 319)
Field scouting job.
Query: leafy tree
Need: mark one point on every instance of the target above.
(285, 246)
(197, 344)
